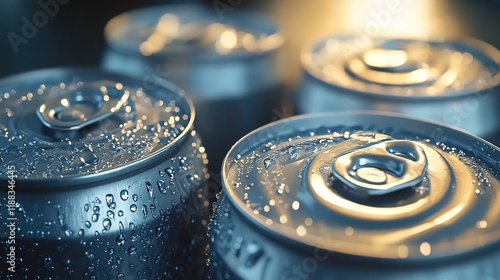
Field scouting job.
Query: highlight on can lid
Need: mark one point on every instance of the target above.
(368, 185)
(184, 29)
(402, 66)
(69, 123)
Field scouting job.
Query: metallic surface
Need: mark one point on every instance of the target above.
(227, 63)
(454, 81)
(119, 198)
(285, 214)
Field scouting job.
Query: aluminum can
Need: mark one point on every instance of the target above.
(100, 178)
(227, 61)
(454, 81)
(358, 195)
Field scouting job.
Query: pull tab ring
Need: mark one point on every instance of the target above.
(382, 168)
(80, 108)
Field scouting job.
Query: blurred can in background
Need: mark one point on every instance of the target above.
(100, 177)
(453, 81)
(227, 62)
(358, 195)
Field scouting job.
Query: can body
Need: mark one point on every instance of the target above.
(284, 214)
(455, 82)
(89, 207)
(235, 90)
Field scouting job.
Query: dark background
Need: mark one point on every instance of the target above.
(73, 35)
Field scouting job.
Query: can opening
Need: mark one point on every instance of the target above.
(382, 168)
(81, 107)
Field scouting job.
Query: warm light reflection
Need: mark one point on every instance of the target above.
(219, 37)
(164, 32)
(382, 58)
(228, 39)
(389, 17)
(420, 75)
(65, 102)
(403, 251)
(425, 248)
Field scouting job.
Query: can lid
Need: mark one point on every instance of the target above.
(368, 185)
(63, 126)
(404, 67)
(173, 30)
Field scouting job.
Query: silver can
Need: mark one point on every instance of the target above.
(452, 81)
(100, 177)
(358, 196)
(228, 63)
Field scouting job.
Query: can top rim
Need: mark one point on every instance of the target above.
(243, 18)
(489, 50)
(282, 232)
(116, 171)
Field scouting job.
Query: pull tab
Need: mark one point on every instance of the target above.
(396, 63)
(382, 168)
(80, 108)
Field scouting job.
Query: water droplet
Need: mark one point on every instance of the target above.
(132, 250)
(135, 197)
(190, 179)
(281, 188)
(61, 218)
(149, 188)
(124, 195)
(86, 207)
(110, 214)
(89, 254)
(144, 258)
(87, 157)
(268, 163)
(68, 232)
(162, 187)
(94, 218)
(120, 239)
(170, 172)
(88, 224)
(110, 200)
(81, 232)
(133, 207)
(106, 223)
(120, 213)
(144, 211)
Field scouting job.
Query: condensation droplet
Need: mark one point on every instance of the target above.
(106, 223)
(133, 207)
(349, 231)
(124, 195)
